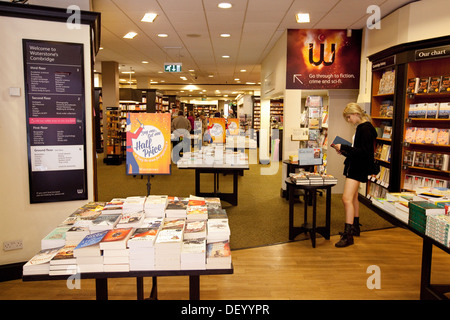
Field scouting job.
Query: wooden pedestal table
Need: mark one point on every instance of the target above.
(310, 194)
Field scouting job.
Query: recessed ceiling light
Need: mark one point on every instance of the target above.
(127, 72)
(237, 79)
(183, 78)
(101, 48)
(243, 70)
(302, 17)
(162, 35)
(144, 61)
(149, 17)
(130, 35)
(225, 35)
(211, 76)
(224, 5)
(225, 57)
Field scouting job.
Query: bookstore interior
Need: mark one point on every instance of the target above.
(127, 179)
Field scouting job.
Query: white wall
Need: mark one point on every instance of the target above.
(21, 220)
(417, 21)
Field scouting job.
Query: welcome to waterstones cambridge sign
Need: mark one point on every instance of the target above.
(55, 113)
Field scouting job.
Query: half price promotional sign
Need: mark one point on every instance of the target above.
(148, 149)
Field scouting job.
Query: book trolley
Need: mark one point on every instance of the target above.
(410, 94)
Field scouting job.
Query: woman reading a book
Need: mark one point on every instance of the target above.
(358, 165)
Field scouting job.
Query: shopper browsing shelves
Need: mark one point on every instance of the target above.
(358, 165)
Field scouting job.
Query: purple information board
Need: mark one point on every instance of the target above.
(56, 128)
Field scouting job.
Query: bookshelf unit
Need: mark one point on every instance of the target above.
(382, 114)
(425, 59)
(114, 137)
(426, 147)
(256, 116)
(98, 120)
(422, 60)
(276, 110)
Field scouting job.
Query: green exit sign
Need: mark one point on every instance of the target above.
(172, 67)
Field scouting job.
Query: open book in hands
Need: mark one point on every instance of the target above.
(341, 141)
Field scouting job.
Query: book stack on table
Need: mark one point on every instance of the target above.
(131, 238)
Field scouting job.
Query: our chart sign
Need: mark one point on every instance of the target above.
(55, 110)
(323, 59)
(148, 148)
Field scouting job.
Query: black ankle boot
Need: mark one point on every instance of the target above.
(346, 237)
(355, 227)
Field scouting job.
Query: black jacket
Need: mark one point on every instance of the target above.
(360, 162)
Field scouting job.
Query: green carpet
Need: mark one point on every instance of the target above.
(261, 216)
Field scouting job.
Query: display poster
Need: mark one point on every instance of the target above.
(217, 130)
(323, 59)
(55, 115)
(232, 126)
(148, 145)
(310, 156)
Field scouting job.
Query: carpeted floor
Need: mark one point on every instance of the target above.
(261, 216)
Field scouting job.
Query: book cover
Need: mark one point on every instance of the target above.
(412, 111)
(445, 84)
(430, 135)
(64, 255)
(310, 156)
(432, 110)
(413, 85)
(118, 234)
(340, 140)
(218, 249)
(143, 235)
(420, 135)
(421, 110)
(106, 220)
(387, 132)
(91, 239)
(444, 110)
(410, 134)
(43, 256)
(423, 85)
(443, 137)
(314, 101)
(434, 84)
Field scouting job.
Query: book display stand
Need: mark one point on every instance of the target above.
(409, 103)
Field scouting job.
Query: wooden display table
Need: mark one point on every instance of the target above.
(310, 194)
(101, 280)
(232, 197)
(290, 168)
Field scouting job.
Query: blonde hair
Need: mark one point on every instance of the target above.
(354, 108)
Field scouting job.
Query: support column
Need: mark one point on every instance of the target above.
(110, 89)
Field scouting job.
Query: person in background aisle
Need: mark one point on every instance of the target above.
(181, 128)
(358, 165)
(205, 134)
(180, 122)
(191, 120)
